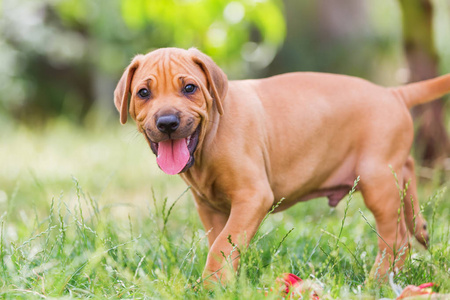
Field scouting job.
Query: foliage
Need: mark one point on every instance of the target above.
(62, 56)
(65, 56)
(223, 29)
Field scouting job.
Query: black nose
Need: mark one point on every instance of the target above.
(168, 123)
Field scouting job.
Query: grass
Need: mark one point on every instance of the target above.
(87, 213)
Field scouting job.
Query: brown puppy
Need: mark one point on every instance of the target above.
(244, 145)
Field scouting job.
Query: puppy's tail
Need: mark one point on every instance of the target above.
(423, 91)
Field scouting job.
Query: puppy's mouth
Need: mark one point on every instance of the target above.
(176, 155)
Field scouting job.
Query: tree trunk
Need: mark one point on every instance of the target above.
(431, 143)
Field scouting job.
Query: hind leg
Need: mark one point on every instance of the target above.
(382, 197)
(417, 225)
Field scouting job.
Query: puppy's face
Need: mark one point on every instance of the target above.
(172, 93)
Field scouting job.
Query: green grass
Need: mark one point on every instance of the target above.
(86, 213)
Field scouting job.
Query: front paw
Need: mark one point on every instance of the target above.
(217, 274)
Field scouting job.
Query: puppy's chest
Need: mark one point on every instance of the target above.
(207, 193)
(217, 201)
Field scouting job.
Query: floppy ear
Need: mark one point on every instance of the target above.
(122, 91)
(217, 80)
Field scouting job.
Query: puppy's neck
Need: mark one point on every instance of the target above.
(207, 135)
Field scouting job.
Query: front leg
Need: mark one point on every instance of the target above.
(248, 209)
(213, 220)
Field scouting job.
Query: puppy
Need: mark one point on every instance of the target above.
(243, 145)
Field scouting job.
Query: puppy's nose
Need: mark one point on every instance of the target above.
(168, 123)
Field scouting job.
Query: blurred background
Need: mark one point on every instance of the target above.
(61, 59)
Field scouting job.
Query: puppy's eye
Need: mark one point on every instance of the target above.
(189, 89)
(144, 93)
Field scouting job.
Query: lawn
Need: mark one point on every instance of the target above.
(85, 212)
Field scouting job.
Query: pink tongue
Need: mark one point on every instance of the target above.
(173, 155)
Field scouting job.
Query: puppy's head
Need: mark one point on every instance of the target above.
(172, 93)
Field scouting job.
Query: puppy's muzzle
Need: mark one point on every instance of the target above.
(168, 123)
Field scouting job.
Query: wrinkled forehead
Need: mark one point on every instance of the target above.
(167, 64)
